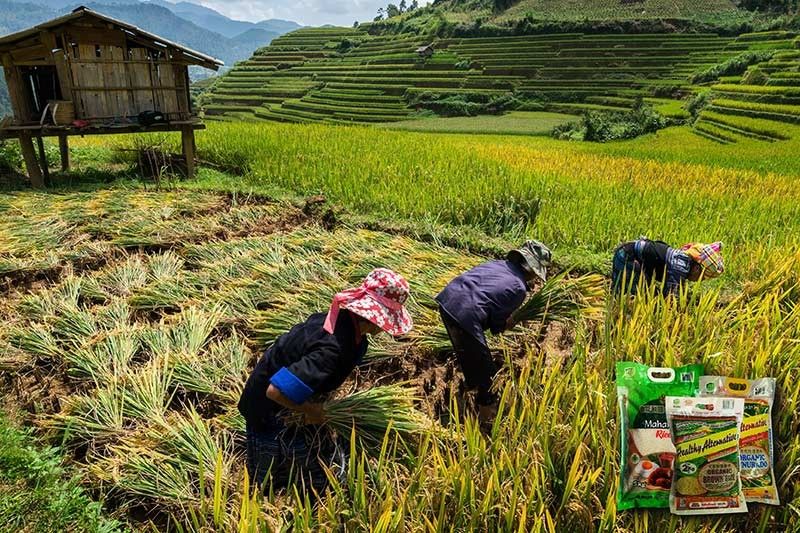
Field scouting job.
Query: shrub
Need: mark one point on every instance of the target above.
(464, 104)
(755, 76)
(666, 91)
(10, 156)
(734, 66)
(698, 103)
(603, 126)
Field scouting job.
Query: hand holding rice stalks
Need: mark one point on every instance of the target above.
(562, 299)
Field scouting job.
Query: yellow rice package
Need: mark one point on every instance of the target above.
(646, 450)
(706, 433)
(756, 440)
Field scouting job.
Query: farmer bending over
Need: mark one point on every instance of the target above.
(650, 261)
(314, 357)
(485, 298)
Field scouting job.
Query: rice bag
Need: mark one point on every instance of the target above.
(706, 432)
(646, 450)
(756, 441)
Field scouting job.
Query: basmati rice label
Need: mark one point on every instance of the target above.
(756, 440)
(647, 454)
(706, 434)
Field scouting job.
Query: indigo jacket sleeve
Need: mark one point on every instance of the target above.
(300, 380)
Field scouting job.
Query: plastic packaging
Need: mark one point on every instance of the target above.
(646, 449)
(706, 433)
(757, 438)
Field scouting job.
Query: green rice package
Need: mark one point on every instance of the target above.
(646, 449)
(706, 432)
(756, 440)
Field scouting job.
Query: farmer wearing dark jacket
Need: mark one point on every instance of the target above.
(485, 298)
(314, 357)
(646, 261)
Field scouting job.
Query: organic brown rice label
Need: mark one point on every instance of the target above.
(706, 434)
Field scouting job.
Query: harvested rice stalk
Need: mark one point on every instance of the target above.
(92, 418)
(35, 339)
(189, 439)
(145, 473)
(105, 359)
(147, 393)
(375, 411)
(563, 298)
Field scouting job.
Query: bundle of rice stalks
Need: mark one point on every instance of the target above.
(105, 359)
(188, 439)
(74, 325)
(563, 298)
(169, 294)
(35, 339)
(122, 280)
(220, 370)
(136, 470)
(374, 412)
(148, 392)
(94, 418)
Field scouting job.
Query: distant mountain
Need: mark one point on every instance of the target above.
(162, 21)
(15, 16)
(213, 20)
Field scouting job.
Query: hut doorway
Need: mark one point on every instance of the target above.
(41, 83)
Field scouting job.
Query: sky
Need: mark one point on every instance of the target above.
(306, 12)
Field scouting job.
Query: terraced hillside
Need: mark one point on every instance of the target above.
(761, 102)
(344, 75)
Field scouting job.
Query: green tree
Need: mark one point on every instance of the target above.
(392, 11)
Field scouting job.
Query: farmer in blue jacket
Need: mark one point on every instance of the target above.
(485, 298)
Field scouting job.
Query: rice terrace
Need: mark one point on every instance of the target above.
(253, 296)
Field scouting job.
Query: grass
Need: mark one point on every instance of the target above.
(513, 123)
(37, 493)
(533, 186)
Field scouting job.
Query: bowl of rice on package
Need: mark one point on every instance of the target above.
(756, 440)
(646, 450)
(706, 433)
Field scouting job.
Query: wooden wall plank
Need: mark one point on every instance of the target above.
(60, 59)
(16, 91)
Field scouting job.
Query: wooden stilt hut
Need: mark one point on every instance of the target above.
(88, 74)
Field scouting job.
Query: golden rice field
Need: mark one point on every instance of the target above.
(131, 318)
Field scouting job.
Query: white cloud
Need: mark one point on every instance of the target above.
(308, 12)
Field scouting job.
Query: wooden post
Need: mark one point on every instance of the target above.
(187, 140)
(43, 162)
(31, 163)
(63, 147)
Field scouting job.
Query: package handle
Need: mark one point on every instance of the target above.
(661, 374)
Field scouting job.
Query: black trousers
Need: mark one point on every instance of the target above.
(475, 359)
(284, 454)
